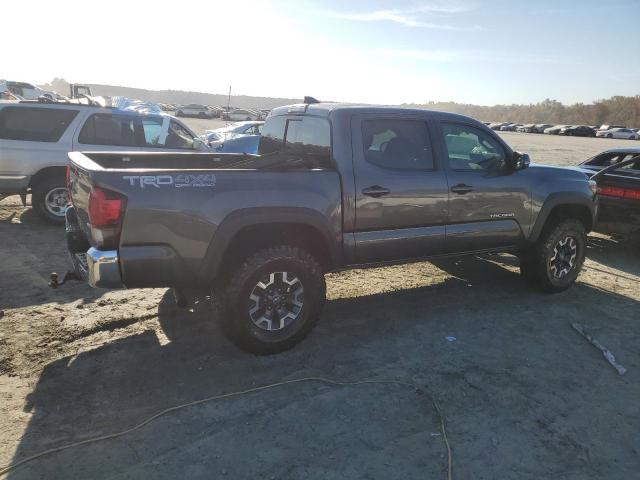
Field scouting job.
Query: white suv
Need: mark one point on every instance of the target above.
(238, 115)
(36, 137)
(193, 110)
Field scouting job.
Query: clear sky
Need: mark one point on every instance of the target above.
(482, 52)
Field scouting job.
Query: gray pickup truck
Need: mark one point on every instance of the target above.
(333, 187)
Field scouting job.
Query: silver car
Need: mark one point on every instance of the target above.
(622, 133)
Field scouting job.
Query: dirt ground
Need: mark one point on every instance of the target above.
(523, 395)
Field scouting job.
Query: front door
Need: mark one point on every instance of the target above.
(488, 202)
(401, 190)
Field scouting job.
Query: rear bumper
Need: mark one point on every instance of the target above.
(100, 268)
(103, 268)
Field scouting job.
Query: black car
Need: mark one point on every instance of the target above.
(617, 172)
(577, 131)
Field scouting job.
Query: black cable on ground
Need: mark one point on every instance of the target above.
(13, 466)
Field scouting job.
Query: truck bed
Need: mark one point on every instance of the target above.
(180, 209)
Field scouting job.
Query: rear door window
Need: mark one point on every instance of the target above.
(397, 144)
(35, 124)
(108, 129)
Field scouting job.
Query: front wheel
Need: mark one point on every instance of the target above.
(50, 199)
(554, 263)
(272, 301)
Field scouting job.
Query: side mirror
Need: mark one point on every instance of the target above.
(198, 144)
(519, 161)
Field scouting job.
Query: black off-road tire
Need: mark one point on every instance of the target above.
(535, 264)
(38, 194)
(233, 304)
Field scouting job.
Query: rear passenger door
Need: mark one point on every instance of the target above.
(401, 190)
(487, 202)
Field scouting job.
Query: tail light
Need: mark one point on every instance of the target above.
(619, 192)
(105, 211)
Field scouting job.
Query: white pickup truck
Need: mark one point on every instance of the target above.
(36, 137)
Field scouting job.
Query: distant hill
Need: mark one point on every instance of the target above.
(617, 110)
(175, 96)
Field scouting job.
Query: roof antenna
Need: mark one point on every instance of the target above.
(310, 100)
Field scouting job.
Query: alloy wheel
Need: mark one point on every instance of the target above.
(563, 258)
(276, 301)
(56, 200)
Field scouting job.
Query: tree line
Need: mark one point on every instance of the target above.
(618, 110)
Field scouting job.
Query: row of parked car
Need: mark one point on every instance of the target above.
(604, 131)
(206, 111)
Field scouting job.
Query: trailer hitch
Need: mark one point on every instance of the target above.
(53, 278)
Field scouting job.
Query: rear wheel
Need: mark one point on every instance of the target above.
(554, 263)
(50, 199)
(272, 301)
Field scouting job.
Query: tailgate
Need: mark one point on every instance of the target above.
(98, 207)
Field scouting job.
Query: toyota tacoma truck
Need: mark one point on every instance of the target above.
(332, 187)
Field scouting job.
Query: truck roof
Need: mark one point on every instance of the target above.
(329, 109)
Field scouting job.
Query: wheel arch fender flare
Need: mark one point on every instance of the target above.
(236, 221)
(572, 201)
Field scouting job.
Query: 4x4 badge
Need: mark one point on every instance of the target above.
(178, 181)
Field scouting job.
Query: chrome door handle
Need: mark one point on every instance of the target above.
(461, 188)
(375, 191)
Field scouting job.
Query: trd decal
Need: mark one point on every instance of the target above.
(178, 181)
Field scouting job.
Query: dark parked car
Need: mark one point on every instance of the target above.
(540, 127)
(577, 131)
(618, 189)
